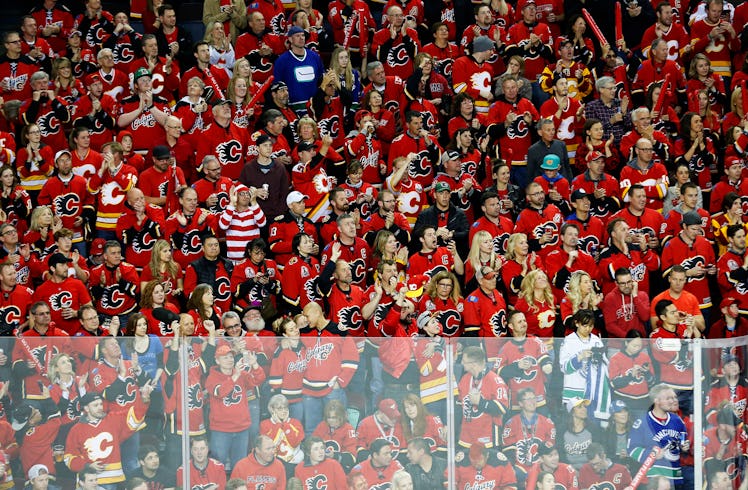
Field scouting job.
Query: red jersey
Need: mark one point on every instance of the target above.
(700, 253)
(273, 13)
(522, 440)
(139, 238)
(50, 116)
(87, 165)
(70, 293)
(485, 315)
(650, 222)
(100, 441)
(630, 388)
(221, 187)
(111, 191)
(323, 476)
(674, 368)
(212, 476)
(282, 231)
(510, 353)
(616, 477)
(431, 263)
(164, 84)
(518, 37)
(18, 73)
(568, 127)
(650, 72)
(187, 240)
(300, 281)
(196, 369)
(611, 259)
(248, 45)
(732, 278)
(421, 169)
(213, 77)
(717, 49)
(229, 411)
(328, 356)
(377, 477)
(472, 77)
(654, 179)
(396, 54)
(516, 139)
(259, 476)
(371, 429)
(481, 423)
(358, 256)
(351, 29)
(144, 128)
(68, 200)
(58, 15)
(501, 477)
(565, 475)
(117, 295)
(535, 222)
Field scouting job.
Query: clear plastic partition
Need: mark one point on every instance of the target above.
(267, 409)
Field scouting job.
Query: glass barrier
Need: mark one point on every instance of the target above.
(333, 411)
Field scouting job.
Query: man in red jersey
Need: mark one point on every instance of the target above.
(69, 198)
(592, 233)
(600, 471)
(211, 75)
(642, 219)
(260, 46)
(416, 139)
(524, 361)
(318, 470)
(187, 227)
(139, 227)
(384, 423)
(115, 82)
(110, 185)
(648, 172)
(391, 88)
(690, 249)
(46, 110)
(527, 431)
(387, 218)
(500, 227)
(287, 225)
(668, 28)
(396, 45)
(510, 120)
(18, 254)
(211, 269)
(532, 41)
(162, 182)
(689, 202)
(716, 38)
(473, 73)
(14, 300)
(602, 189)
(15, 69)
(656, 69)
(205, 472)
(260, 469)
(143, 113)
(484, 401)
(272, 12)
(353, 249)
(64, 294)
(432, 258)
(379, 467)
(96, 438)
(165, 73)
(480, 472)
(351, 22)
(732, 181)
(541, 222)
(95, 111)
(732, 267)
(115, 284)
(629, 251)
(567, 259)
(564, 474)
(54, 23)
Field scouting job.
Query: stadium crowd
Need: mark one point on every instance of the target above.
(312, 224)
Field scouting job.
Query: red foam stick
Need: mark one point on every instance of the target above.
(593, 25)
(646, 465)
(619, 22)
(661, 98)
(261, 92)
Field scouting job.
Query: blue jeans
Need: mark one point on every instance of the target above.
(314, 408)
(229, 447)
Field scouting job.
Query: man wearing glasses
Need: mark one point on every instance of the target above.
(625, 308)
(612, 108)
(646, 171)
(15, 70)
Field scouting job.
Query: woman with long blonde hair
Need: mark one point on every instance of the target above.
(42, 228)
(221, 51)
(64, 83)
(519, 262)
(481, 254)
(164, 268)
(581, 295)
(537, 303)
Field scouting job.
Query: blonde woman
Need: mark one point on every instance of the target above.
(40, 235)
(481, 254)
(221, 50)
(163, 267)
(65, 85)
(537, 303)
(519, 262)
(581, 295)
(350, 78)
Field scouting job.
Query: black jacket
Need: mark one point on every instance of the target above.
(456, 223)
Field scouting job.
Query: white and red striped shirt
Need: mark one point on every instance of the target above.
(241, 227)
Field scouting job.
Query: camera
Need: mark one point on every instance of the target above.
(598, 355)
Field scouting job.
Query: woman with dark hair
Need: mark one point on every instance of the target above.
(732, 214)
(301, 272)
(464, 115)
(510, 195)
(256, 276)
(631, 373)
(668, 121)
(680, 176)
(387, 247)
(463, 142)
(584, 50)
(316, 463)
(14, 201)
(288, 365)
(152, 296)
(697, 149)
(384, 119)
(201, 307)
(703, 107)
(418, 422)
(593, 141)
